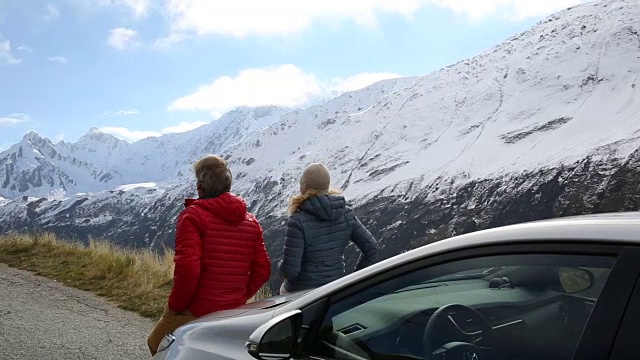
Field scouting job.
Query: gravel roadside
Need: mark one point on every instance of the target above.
(43, 319)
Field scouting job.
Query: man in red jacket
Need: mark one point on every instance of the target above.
(221, 260)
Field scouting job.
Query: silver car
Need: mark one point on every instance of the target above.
(550, 290)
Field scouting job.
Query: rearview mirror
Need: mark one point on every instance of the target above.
(277, 338)
(574, 280)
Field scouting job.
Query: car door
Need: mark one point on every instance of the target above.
(626, 343)
(529, 302)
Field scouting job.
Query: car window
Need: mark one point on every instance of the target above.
(521, 307)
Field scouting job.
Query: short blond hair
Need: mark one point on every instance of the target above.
(214, 175)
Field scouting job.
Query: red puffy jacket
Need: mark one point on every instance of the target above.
(220, 260)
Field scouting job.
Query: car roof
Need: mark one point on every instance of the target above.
(607, 228)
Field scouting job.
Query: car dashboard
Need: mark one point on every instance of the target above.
(529, 324)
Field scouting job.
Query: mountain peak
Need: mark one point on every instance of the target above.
(32, 135)
(93, 130)
(95, 135)
(260, 112)
(34, 140)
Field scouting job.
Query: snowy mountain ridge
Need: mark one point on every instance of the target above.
(508, 110)
(99, 161)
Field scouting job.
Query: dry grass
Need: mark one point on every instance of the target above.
(139, 281)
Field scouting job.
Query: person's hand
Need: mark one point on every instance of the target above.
(168, 311)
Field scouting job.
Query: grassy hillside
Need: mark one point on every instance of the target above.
(139, 281)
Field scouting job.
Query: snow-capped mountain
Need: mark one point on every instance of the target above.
(545, 124)
(37, 167)
(161, 158)
(553, 95)
(99, 161)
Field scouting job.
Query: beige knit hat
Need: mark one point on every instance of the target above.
(315, 176)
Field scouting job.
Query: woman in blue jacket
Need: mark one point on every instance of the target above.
(319, 228)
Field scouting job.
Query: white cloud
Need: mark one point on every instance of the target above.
(511, 9)
(360, 81)
(52, 12)
(123, 38)
(183, 127)
(284, 85)
(139, 8)
(58, 59)
(127, 112)
(25, 48)
(5, 53)
(241, 18)
(135, 135)
(169, 40)
(129, 135)
(124, 112)
(13, 119)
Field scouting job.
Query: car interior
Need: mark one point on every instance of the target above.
(518, 312)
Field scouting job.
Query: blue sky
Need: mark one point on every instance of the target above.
(139, 68)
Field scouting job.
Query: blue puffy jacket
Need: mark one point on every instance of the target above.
(315, 240)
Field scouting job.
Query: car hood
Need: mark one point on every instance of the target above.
(268, 303)
(223, 334)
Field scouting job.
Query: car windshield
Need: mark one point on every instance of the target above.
(422, 311)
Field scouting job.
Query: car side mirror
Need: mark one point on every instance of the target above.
(574, 280)
(277, 338)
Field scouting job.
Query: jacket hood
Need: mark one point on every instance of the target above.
(326, 207)
(229, 207)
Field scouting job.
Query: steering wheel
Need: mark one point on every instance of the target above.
(466, 344)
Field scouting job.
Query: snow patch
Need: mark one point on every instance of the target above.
(130, 187)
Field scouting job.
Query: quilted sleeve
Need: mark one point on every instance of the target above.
(260, 266)
(187, 262)
(293, 250)
(364, 241)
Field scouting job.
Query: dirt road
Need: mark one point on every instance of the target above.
(42, 319)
